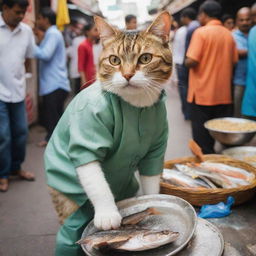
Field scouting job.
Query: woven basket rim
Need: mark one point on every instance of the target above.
(211, 190)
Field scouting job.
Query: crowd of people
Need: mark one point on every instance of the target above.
(215, 60)
(78, 47)
(18, 45)
(214, 56)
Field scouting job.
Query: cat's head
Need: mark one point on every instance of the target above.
(133, 64)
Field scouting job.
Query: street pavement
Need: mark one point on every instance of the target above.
(28, 223)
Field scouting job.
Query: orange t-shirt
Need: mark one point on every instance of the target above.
(213, 47)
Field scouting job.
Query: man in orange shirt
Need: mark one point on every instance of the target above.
(211, 56)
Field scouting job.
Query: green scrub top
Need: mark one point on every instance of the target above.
(100, 126)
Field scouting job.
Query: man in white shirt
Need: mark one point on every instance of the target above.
(72, 53)
(16, 45)
(178, 59)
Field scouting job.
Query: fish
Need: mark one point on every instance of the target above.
(197, 171)
(135, 218)
(129, 239)
(228, 170)
(180, 179)
(207, 181)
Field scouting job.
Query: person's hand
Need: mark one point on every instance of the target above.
(106, 219)
(39, 34)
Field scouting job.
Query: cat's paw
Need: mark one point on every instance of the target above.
(106, 220)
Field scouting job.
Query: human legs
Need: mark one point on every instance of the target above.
(238, 97)
(5, 141)
(223, 111)
(77, 85)
(199, 115)
(183, 90)
(19, 133)
(52, 106)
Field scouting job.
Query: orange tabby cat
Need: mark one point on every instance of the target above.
(104, 136)
(135, 65)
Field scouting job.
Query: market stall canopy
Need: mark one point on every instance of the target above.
(90, 6)
(177, 5)
(173, 6)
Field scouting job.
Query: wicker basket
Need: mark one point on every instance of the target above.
(200, 197)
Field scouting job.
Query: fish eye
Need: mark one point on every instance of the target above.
(145, 58)
(114, 60)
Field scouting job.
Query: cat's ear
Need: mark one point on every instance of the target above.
(161, 26)
(106, 31)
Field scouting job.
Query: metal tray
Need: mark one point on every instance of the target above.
(178, 215)
(241, 153)
(207, 240)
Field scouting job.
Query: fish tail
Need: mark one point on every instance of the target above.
(153, 211)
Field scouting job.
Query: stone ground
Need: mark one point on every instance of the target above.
(28, 223)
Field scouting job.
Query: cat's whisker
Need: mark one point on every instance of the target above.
(147, 91)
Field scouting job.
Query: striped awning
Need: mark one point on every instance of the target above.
(177, 5)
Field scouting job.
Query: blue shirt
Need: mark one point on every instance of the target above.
(51, 52)
(192, 26)
(249, 100)
(240, 70)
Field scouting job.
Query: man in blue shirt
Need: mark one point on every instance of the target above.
(249, 102)
(53, 78)
(241, 38)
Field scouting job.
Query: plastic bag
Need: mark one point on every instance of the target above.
(217, 210)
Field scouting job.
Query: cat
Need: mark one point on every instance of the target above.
(110, 129)
(133, 65)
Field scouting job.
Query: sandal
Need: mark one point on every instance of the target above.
(25, 175)
(42, 144)
(4, 184)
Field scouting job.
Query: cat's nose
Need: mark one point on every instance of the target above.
(128, 76)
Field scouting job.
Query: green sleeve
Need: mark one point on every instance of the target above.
(152, 163)
(90, 135)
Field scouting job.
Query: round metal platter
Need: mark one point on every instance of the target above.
(207, 240)
(241, 153)
(177, 215)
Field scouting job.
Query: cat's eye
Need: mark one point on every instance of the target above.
(114, 60)
(145, 58)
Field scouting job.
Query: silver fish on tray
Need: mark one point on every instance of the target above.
(129, 238)
(228, 170)
(196, 172)
(180, 179)
(224, 176)
(135, 218)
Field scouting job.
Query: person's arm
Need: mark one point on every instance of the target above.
(28, 65)
(81, 63)
(46, 51)
(29, 52)
(235, 53)
(83, 78)
(195, 50)
(190, 63)
(242, 53)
